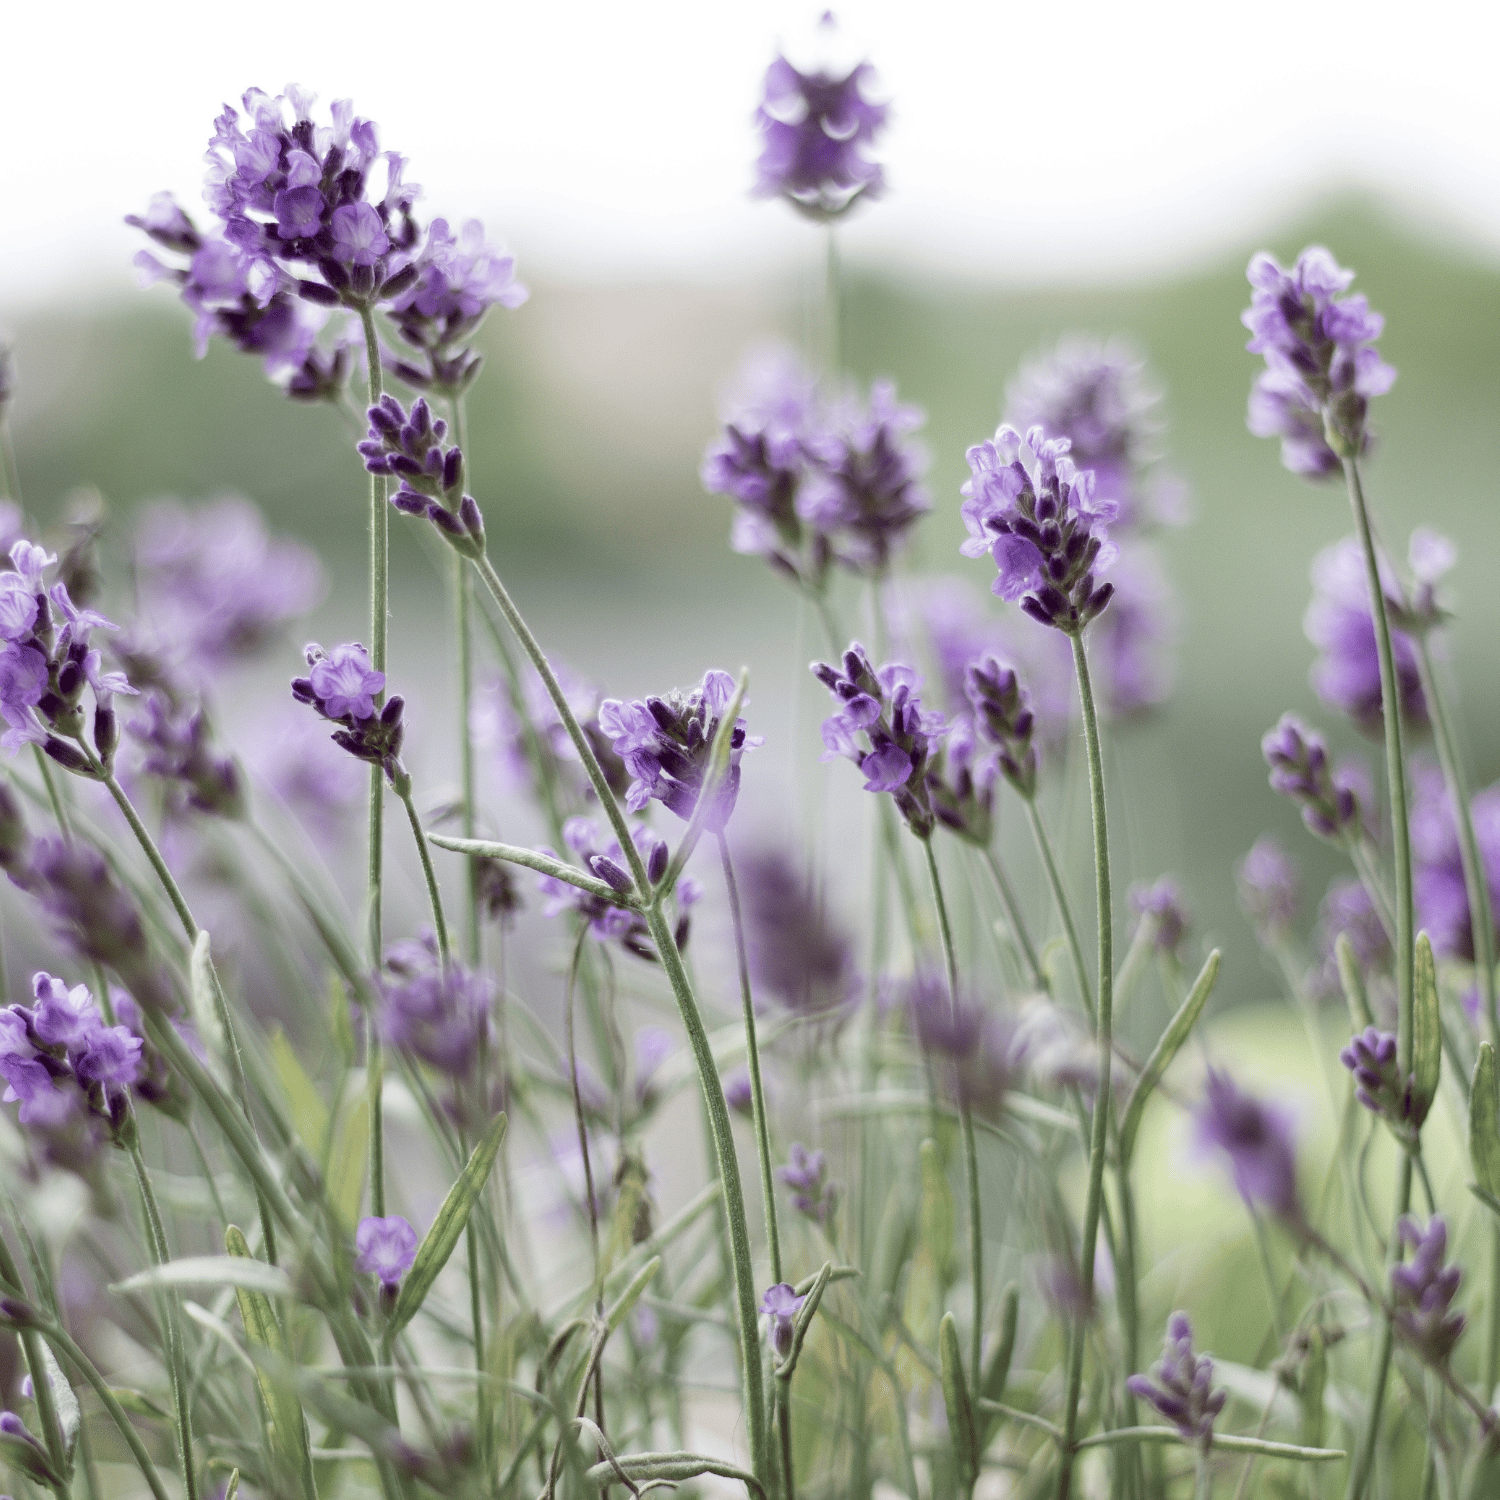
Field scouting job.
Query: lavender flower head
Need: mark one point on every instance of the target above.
(806, 1174)
(431, 475)
(1003, 718)
(1298, 758)
(1257, 1138)
(1423, 1289)
(176, 745)
(782, 1304)
(1322, 367)
(1181, 1386)
(1132, 647)
(434, 1011)
(343, 688)
(816, 131)
(1038, 517)
(318, 784)
(386, 1249)
(667, 743)
(1347, 911)
(1346, 675)
(881, 710)
(1161, 906)
(798, 955)
(1268, 889)
(976, 1049)
(1442, 897)
(1379, 1084)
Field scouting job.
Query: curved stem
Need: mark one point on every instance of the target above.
(1105, 1027)
(1014, 919)
(1064, 907)
(752, 1058)
(434, 895)
(966, 1123)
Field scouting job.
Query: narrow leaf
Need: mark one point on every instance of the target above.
(211, 1270)
(347, 1160)
(309, 1113)
(543, 864)
(437, 1245)
(997, 1371)
(671, 1467)
(1314, 1383)
(139, 1404)
(805, 1314)
(1353, 983)
(936, 1215)
(1165, 1050)
(1427, 1032)
(69, 1417)
(205, 1003)
(1484, 1122)
(631, 1295)
(956, 1398)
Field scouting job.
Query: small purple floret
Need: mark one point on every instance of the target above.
(386, 1249)
(1181, 1386)
(1257, 1139)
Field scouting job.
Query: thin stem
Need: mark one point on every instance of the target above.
(966, 1122)
(463, 609)
(41, 1385)
(832, 299)
(1203, 1477)
(434, 895)
(1405, 941)
(1105, 1026)
(9, 469)
(1064, 906)
(591, 1201)
(784, 1424)
(752, 1057)
(176, 1359)
(44, 765)
(1014, 919)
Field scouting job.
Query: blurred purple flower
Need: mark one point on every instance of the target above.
(435, 1011)
(319, 785)
(386, 1248)
(1132, 646)
(1442, 897)
(806, 1175)
(1161, 906)
(1423, 1289)
(1298, 758)
(1348, 911)
(1181, 1386)
(1257, 1138)
(1268, 889)
(977, 1050)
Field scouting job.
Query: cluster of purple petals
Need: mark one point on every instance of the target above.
(58, 1058)
(1040, 519)
(1181, 1386)
(177, 748)
(316, 783)
(1003, 718)
(1300, 769)
(816, 131)
(47, 660)
(1162, 907)
(815, 483)
(435, 1011)
(782, 1304)
(411, 450)
(798, 955)
(1269, 891)
(1423, 1288)
(1379, 1084)
(805, 1175)
(603, 858)
(1257, 1139)
(1322, 367)
(666, 743)
(1132, 646)
(344, 688)
(1346, 674)
(1347, 910)
(1442, 898)
(961, 781)
(385, 1248)
(976, 1049)
(882, 727)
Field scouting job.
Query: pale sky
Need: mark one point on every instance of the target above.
(605, 141)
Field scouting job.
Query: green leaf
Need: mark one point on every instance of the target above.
(672, 1468)
(69, 1417)
(437, 1244)
(1353, 982)
(202, 988)
(936, 1217)
(347, 1160)
(289, 1437)
(997, 1371)
(139, 1404)
(1314, 1383)
(1427, 1033)
(1164, 1051)
(631, 1295)
(211, 1270)
(805, 1314)
(309, 1113)
(543, 864)
(1484, 1122)
(956, 1398)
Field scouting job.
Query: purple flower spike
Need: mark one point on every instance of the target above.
(437, 1012)
(1181, 1386)
(798, 955)
(386, 1248)
(806, 1174)
(411, 449)
(1322, 367)
(816, 129)
(977, 1051)
(1038, 516)
(1379, 1084)
(666, 743)
(343, 687)
(1298, 758)
(1269, 891)
(884, 730)
(1442, 896)
(1003, 717)
(1257, 1138)
(1161, 906)
(782, 1304)
(1423, 1290)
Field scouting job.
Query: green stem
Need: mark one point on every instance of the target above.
(9, 470)
(1203, 1477)
(36, 1366)
(784, 1426)
(1405, 940)
(1064, 906)
(463, 609)
(1014, 918)
(1105, 1026)
(176, 1359)
(434, 895)
(752, 1058)
(971, 1150)
(832, 299)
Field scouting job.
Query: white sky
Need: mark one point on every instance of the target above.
(601, 140)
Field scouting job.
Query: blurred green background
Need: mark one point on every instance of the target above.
(589, 421)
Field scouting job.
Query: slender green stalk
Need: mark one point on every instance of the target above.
(752, 1056)
(832, 306)
(1203, 1477)
(784, 1427)
(966, 1124)
(1105, 1026)
(463, 621)
(1014, 920)
(1395, 775)
(1064, 906)
(41, 1384)
(176, 1356)
(434, 895)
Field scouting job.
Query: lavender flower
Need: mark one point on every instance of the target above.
(1321, 364)
(386, 1249)
(976, 1049)
(318, 785)
(798, 956)
(1029, 507)
(782, 1304)
(1442, 896)
(343, 687)
(176, 741)
(882, 708)
(435, 1011)
(1182, 1388)
(816, 131)
(1268, 889)
(1161, 906)
(806, 1174)
(1257, 1138)
(495, 889)
(1132, 645)
(1423, 1290)
(1298, 758)
(738, 1094)
(1379, 1084)
(26, 1452)
(961, 781)
(1003, 717)
(1348, 911)
(431, 475)
(666, 744)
